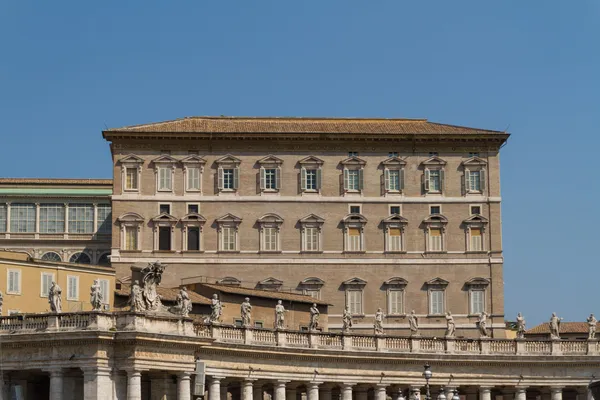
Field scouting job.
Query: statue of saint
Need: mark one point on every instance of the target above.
(450, 326)
(55, 298)
(216, 309)
(555, 327)
(346, 320)
(378, 325)
(482, 324)
(246, 310)
(184, 302)
(152, 277)
(413, 323)
(279, 315)
(96, 296)
(1, 302)
(592, 324)
(136, 302)
(520, 326)
(314, 318)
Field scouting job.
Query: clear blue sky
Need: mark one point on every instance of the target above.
(70, 68)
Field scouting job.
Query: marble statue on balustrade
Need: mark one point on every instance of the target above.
(96, 296)
(450, 326)
(314, 318)
(280, 315)
(152, 277)
(520, 326)
(216, 309)
(136, 300)
(184, 304)
(246, 312)
(413, 323)
(555, 327)
(378, 325)
(1, 301)
(346, 320)
(482, 325)
(55, 298)
(592, 325)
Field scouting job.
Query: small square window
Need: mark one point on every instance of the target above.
(433, 154)
(237, 322)
(353, 154)
(193, 208)
(475, 210)
(394, 210)
(164, 208)
(435, 210)
(304, 329)
(355, 210)
(259, 324)
(393, 154)
(168, 152)
(473, 154)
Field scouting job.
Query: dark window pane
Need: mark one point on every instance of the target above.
(164, 238)
(193, 238)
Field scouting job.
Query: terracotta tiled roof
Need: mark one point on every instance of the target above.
(294, 125)
(167, 294)
(56, 181)
(269, 294)
(565, 327)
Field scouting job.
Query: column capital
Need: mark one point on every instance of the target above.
(281, 382)
(216, 378)
(556, 388)
(348, 384)
(184, 375)
(54, 371)
(313, 384)
(485, 388)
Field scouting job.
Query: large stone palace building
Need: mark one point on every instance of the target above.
(366, 213)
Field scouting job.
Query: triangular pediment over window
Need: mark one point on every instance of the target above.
(394, 219)
(396, 281)
(270, 281)
(474, 161)
(436, 219)
(130, 217)
(193, 217)
(311, 160)
(272, 218)
(353, 161)
(131, 159)
(475, 219)
(164, 159)
(477, 282)
(230, 281)
(355, 218)
(354, 282)
(311, 218)
(164, 217)
(435, 160)
(193, 159)
(270, 159)
(228, 159)
(437, 282)
(229, 218)
(313, 281)
(393, 161)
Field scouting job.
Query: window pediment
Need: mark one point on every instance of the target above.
(193, 217)
(396, 281)
(474, 161)
(229, 218)
(230, 281)
(270, 160)
(350, 161)
(311, 219)
(393, 162)
(130, 217)
(165, 217)
(475, 220)
(164, 159)
(355, 218)
(228, 159)
(436, 219)
(270, 218)
(312, 281)
(394, 219)
(437, 282)
(355, 282)
(270, 281)
(131, 159)
(477, 282)
(312, 160)
(434, 161)
(193, 160)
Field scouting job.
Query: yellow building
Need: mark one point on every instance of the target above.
(24, 282)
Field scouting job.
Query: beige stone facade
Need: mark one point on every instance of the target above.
(242, 185)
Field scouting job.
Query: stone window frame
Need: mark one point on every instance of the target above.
(132, 220)
(134, 162)
(311, 163)
(469, 165)
(311, 221)
(48, 258)
(169, 163)
(265, 163)
(433, 163)
(355, 285)
(475, 221)
(230, 221)
(394, 221)
(228, 162)
(79, 253)
(269, 220)
(477, 284)
(355, 164)
(163, 220)
(436, 284)
(436, 221)
(312, 284)
(230, 281)
(270, 283)
(395, 284)
(192, 220)
(192, 161)
(392, 164)
(354, 221)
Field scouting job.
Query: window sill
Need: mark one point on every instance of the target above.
(193, 251)
(357, 315)
(14, 293)
(131, 190)
(227, 251)
(436, 315)
(355, 251)
(311, 252)
(436, 252)
(476, 252)
(163, 251)
(130, 251)
(269, 252)
(395, 252)
(395, 316)
(164, 191)
(194, 191)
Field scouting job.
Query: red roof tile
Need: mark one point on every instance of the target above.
(565, 327)
(269, 294)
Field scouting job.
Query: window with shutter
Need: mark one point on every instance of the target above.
(269, 239)
(311, 239)
(436, 302)
(392, 179)
(435, 239)
(193, 238)
(72, 287)
(354, 301)
(193, 178)
(236, 178)
(104, 285)
(395, 301)
(14, 281)
(476, 239)
(354, 239)
(269, 178)
(47, 279)
(3, 217)
(165, 178)
(131, 238)
(477, 301)
(394, 239)
(434, 181)
(228, 238)
(131, 178)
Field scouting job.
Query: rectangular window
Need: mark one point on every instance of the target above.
(165, 176)
(228, 238)
(164, 208)
(81, 218)
(477, 301)
(193, 238)
(355, 209)
(475, 210)
(270, 239)
(394, 239)
(13, 281)
(476, 240)
(131, 238)
(314, 293)
(393, 180)
(22, 218)
(354, 301)
(193, 208)
(52, 218)
(131, 178)
(353, 154)
(395, 302)
(473, 154)
(228, 178)
(46, 282)
(394, 210)
(433, 154)
(354, 242)
(72, 287)
(269, 178)
(258, 324)
(393, 154)
(435, 210)
(104, 285)
(164, 238)
(474, 181)
(237, 322)
(3, 213)
(434, 180)
(435, 239)
(310, 179)
(352, 181)
(311, 239)
(104, 218)
(193, 178)
(436, 302)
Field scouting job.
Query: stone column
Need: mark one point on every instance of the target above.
(184, 386)
(346, 390)
(485, 393)
(134, 384)
(312, 390)
(556, 392)
(521, 393)
(247, 389)
(380, 393)
(97, 384)
(361, 393)
(214, 388)
(56, 384)
(290, 393)
(279, 392)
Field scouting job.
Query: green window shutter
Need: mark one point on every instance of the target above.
(262, 178)
(302, 178)
(236, 178)
(346, 183)
(426, 180)
(386, 173)
(220, 179)
(482, 179)
(401, 178)
(278, 178)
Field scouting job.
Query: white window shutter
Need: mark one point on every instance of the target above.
(220, 178)
(401, 179)
(236, 178)
(386, 173)
(277, 178)
(302, 178)
(467, 181)
(318, 179)
(482, 179)
(346, 183)
(426, 180)
(360, 179)
(441, 180)
(262, 178)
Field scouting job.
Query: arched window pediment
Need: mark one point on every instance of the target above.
(270, 218)
(130, 217)
(396, 282)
